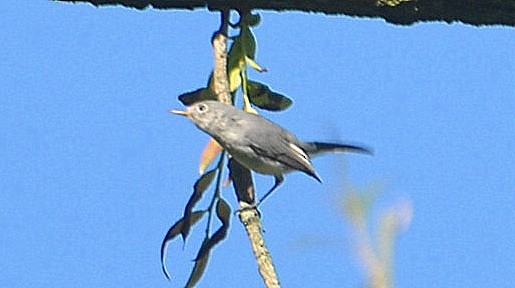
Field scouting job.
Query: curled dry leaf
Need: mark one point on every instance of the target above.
(223, 212)
(176, 228)
(209, 154)
(198, 190)
(200, 266)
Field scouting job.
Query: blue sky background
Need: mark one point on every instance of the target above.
(94, 170)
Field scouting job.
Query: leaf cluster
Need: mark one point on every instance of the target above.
(241, 56)
(183, 226)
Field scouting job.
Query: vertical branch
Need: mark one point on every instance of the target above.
(221, 83)
(250, 218)
(241, 176)
(252, 223)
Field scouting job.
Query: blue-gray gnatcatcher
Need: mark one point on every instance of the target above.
(257, 143)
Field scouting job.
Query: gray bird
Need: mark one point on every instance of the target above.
(257, 143)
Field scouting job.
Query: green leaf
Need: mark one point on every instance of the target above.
(234, 79)
(196, 96)
(223, 211)
(254, 65)
(252, 19)
(235, 53)
(176, 228)
(263, 97)
(248, 42)
(198, 190)
(235, 62)
(243, 46)
(200, 266)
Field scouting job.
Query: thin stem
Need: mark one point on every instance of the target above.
(218, 189)
(246, 101)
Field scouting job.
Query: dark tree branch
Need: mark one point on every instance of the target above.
(403, 12)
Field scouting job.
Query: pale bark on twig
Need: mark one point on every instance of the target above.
(221, 83)
(241, 176)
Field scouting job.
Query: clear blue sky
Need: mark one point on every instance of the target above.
(94, 170)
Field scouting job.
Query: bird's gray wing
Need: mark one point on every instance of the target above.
(271, 141)
(283, 147)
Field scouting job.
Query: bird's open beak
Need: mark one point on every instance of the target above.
(180, 112)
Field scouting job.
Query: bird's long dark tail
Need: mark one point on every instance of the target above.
(318, 148)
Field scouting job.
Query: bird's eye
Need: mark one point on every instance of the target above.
(202, 108)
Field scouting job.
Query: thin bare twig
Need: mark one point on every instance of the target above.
(241, 176)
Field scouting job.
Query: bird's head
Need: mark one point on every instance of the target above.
(204, 114)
